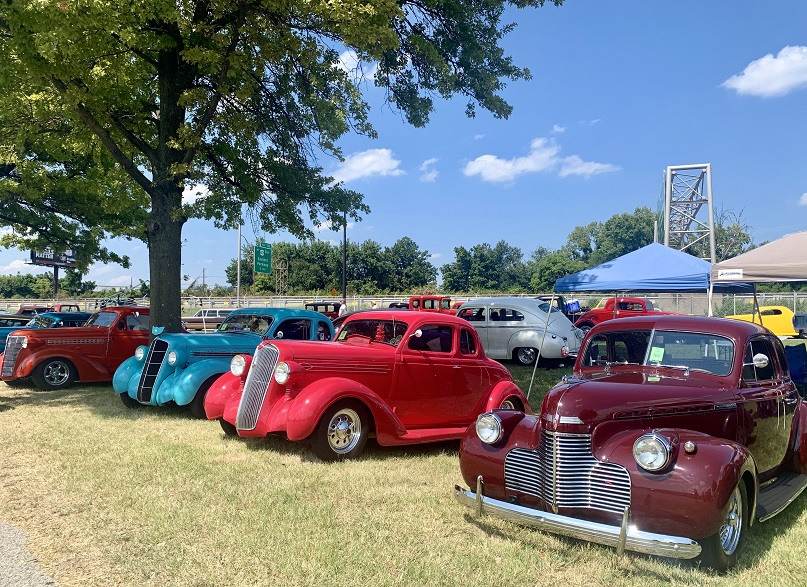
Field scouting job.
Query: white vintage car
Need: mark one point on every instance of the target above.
(512, 328)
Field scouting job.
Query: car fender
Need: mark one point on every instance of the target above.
(799, 441)
(224, 391)
(552, 343)
(503, 390)
(125, 372)
(182, 385)
(87, 370)
(689, 496)
(310, 404)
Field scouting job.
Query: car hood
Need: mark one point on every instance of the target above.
(353, 354)
(645, 392)
(67, 333)
(213, 344)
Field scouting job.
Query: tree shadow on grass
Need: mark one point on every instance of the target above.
(757, 544)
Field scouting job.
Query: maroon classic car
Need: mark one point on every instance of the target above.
(620, 307)
(403, 377)
(672, 437)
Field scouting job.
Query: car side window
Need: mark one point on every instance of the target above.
(137, 323)
(780, 356)
(467, 342)
(445, 304)
(323, 332)
(752, 372)
(472, 314)
(415, 304)
(505, 315)
(597, 351)
(428, 305)
(294, 329)
(434, 338)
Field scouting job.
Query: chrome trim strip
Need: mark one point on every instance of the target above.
(605, 534)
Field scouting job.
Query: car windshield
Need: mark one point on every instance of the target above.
(699, 352)
(42, 322)
(246, 323)
(387, 331)
(102, 319)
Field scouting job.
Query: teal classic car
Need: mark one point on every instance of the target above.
(180, 367)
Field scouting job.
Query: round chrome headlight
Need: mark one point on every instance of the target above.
(652, 452)
(237, 365)
(140, 352)
(489, 428)
(172, 358)
(282, 372)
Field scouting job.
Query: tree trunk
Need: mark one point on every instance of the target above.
(165, 257)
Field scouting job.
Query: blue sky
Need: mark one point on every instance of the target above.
(619, 91)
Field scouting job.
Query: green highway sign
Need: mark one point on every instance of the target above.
(263, 259)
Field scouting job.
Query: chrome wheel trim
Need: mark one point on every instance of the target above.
(732, 526)
(344, 431)
(56, 373)
(508, 404)
(526, 355)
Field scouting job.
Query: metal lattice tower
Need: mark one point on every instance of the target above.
(281, 270)
(688, 207)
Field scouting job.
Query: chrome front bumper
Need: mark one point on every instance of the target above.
(625, 537)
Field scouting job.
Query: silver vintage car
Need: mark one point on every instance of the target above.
(512, 328)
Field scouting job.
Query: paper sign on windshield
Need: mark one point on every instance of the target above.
(656, 354)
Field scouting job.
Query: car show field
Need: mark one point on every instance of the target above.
(108, 495)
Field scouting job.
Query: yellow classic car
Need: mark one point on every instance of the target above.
(777, 319)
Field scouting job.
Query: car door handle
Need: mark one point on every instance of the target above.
(456, 367)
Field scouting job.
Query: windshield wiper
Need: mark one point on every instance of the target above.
(685, 368)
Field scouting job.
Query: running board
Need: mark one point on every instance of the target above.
(778, 495)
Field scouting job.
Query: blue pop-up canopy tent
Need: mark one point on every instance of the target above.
(653, 268)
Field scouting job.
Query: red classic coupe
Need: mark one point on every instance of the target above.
(54, 358)
(620, 307)
(672, 437)
(405, 377)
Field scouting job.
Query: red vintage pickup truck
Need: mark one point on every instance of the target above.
(621, 307)
(56, 358)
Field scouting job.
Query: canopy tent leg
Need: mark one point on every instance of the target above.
(756, 312)
(541, 348)
(711, 292)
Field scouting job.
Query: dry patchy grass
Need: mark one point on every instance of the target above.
(153, 497)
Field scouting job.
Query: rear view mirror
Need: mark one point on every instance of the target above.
(761, 361)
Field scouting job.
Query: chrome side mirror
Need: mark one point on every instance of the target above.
(761, 361)
(417, 333)
(279, 334)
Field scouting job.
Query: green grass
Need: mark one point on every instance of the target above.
(153, 497)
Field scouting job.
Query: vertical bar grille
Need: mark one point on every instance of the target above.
(13, 347)
(151, 369)
(256, 386)
(564, 473)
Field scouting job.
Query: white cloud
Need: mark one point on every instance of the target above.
(359, 70)
(118, 280)
(327, 225)
(479, 137)
(191, 194)
(20, 266)
(544, 155)
(558, 129)
(772, 75)
(366, 164)
(591, 122)
(574, 165)
(803, 199)
(435, 256)
(428, 172)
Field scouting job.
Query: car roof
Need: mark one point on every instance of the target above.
(409, 316)
(65, 314)
(124, 309)
(280, 313)
(719, 326)
(509, 300)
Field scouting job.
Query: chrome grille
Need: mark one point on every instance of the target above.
(255, 387)
(154, 360)
(13, 348)
(564, 473)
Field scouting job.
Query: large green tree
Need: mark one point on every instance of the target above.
(486, 268)
(241, 96)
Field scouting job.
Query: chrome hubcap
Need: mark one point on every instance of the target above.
(56, 373)
(344, 431)
(732, 525)
(526, 355)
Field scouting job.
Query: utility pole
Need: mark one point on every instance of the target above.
(344, 258)
(238, 271)
(55, 281)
